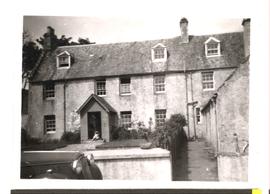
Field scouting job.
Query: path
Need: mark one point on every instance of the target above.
(195, 161)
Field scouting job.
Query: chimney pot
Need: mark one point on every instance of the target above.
(184, 30)
(246, 26)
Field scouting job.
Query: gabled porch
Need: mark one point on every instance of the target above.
(96, 114)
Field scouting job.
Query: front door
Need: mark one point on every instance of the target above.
(94, 123)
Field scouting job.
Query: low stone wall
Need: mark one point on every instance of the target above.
(232, 167)
(134, 164)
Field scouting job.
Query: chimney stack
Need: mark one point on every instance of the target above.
(246, 26)
(184, 30)
(49, 39)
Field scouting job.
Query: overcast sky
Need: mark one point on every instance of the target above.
(109, 29)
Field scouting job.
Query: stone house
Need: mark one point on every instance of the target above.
(100, 86)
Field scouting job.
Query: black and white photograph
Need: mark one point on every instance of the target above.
(145, 96)
(173, 109)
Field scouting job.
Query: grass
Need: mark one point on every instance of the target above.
(122, 144)
(44, 146)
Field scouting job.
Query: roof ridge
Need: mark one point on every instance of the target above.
(142, 41)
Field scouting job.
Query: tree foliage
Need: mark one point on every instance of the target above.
(31, 53)
(33, 49)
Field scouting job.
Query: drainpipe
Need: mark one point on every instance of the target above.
(193, 105)
(216, 126)
(186, 86)
(64, 106)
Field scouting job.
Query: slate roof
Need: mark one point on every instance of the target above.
(101, 101)
(98, 60)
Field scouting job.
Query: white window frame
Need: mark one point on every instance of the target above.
(208, 81)
(160, 117)
(65, 53)
(158, 84)
(159, 46)
(101, 91)
(49, 90)
(126, 117)
(49, 124)
(125, 88)
(207, 42)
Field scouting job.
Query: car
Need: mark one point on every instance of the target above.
(58, 165)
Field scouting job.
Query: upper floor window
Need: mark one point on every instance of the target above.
(159, 53)
(63, 60)
(125, 85)
(49, 124)
(212, 47)
(208, 80)
(160, 115)
(48, 90)
(126, 119)
(101, 87)
(159, 83)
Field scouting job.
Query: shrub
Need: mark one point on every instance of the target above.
(120, 133)
(134, 134)
(143, 133)
(26, 139)
(123, 133)
(162, 136)
(71, 137)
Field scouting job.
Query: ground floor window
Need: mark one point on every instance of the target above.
(198, 115)
(49, 123)
(126, 119)
(160, 115)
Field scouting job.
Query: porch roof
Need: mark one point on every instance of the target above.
(101, 101)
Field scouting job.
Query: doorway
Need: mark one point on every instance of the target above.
(94, 123)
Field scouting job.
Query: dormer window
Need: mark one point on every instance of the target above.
(159, 53)
(212, 47)
(63, 60)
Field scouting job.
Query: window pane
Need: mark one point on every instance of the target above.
(159, 83)
(126, 119)
(101, 87)
(124, 88)
(198, 115)
(208, 80)
(160, 117)
(48, 90)
(124, 85)
(49, 123)
(159, 53)
(63, 61)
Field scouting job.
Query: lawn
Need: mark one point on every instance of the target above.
(122, 144)
(43, 146)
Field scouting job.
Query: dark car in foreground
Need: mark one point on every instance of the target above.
(58, 165)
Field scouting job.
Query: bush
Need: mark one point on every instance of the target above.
(71, 137)
(162, 136)
(26, 139)
(123, 133)
(134, 134)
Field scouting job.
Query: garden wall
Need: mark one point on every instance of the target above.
(232, 168)
(134, 164)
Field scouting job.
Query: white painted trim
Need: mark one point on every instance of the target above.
(69, 60)
(206, 48)
(210, 39)
(64, 52)
(153, 53)
(214, 83)
(51, 132)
